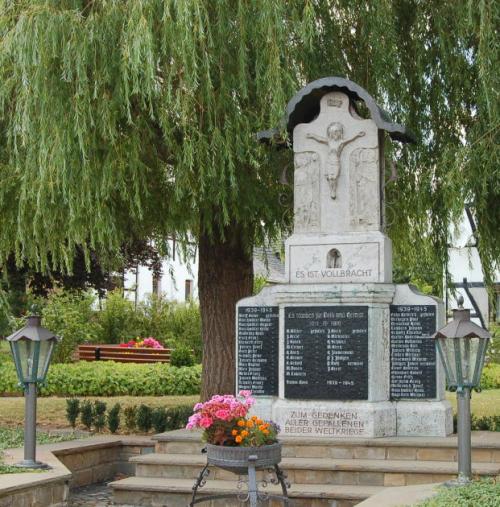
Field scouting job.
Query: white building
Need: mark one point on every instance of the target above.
(177, 282)
(466, 273)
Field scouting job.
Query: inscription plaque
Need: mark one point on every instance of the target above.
(258, 349)
(326, 352)
(413, 353)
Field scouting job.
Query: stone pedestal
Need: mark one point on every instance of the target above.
(324, 410)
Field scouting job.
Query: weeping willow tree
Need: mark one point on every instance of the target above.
(137, 118)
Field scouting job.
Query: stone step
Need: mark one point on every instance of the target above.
(319, 470)
(485, 447)
(153, 492)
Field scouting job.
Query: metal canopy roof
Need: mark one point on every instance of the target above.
(304, 107)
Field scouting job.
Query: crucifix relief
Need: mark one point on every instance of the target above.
(335, 141)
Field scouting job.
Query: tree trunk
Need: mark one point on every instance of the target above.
(225, 275)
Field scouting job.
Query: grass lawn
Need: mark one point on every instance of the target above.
(485, 403)
(51, 411)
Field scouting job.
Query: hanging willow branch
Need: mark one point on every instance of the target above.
(137, 117)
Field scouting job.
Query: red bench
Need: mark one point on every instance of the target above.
(122, 354)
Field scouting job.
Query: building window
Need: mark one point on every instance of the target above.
(188, 290)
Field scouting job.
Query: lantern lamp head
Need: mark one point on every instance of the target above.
(462, 348)
(32, 347)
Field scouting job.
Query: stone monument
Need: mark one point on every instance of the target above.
(339, 350)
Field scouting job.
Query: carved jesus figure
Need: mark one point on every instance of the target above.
(335, 141)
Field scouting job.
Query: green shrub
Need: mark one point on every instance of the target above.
(130, 417)
(484, 493)
(69, 315)
(99, 415)
(118, 319)
(72, 411)
(87, 414)
(490, 378)
(159, 419)
(107, 378)
(114, 418)
(185, 328)
(144, 418)
(181, 356)
(483, 423)
(178, 416)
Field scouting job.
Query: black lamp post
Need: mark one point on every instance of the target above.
(32, 348)
(462, 347)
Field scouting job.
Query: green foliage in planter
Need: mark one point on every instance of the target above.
(181, 356)
(107, 378)
(69, 315)
(87, 414)
(114, 418)
(72, 411)
(130, 414)
(484, 493)
(159, 419)
(490, 378)
(144, 418)
(99, 415)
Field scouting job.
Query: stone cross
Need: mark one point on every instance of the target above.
(337, 170)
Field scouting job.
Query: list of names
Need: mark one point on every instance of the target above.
(326, 352)
(413, 353)
(258, 349)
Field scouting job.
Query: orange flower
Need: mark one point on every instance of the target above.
(266, 432)
(244, 433)
(241, 423)
(254, 418)
(234, 433)
(238, 439)
(262, 427)
(259, 421)
(250, 424)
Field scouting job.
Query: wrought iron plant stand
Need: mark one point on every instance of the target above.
(245, 461)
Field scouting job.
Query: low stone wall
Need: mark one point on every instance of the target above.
(73, 464)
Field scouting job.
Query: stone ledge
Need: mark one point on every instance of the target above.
(51, 487)
(480, 439)
(145, 484)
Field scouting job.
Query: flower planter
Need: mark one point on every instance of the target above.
(235, 459)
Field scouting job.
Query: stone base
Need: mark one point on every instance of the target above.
(424, 418)
(356, 257)
(335, 419)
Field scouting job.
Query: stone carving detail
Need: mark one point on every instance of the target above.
(333, 259)
(363, 188)
(336, 143)
(306, 192)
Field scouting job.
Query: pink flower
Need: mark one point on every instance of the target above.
(223, 414)
(206, 422)
(198, 406)
(245, 394)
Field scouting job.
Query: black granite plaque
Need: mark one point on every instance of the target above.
(413, 353)
(326, 352)
(258, 328)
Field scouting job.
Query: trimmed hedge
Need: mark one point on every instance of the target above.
(108, 378)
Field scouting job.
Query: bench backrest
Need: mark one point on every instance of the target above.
(122, 354)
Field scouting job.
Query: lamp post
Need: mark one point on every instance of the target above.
(462, 347)
(32, 348)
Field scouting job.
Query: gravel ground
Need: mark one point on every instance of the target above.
(96, 495)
